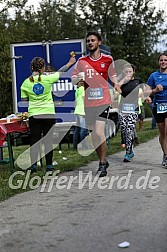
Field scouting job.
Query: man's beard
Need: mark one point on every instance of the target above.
(93, 50)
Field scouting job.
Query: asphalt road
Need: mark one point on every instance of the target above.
(77, 218)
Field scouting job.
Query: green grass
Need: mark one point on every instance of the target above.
(74, 159)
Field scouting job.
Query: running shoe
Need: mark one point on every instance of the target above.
(127, 158)
(103, 169)
(33, 169)
(131, 155)
(164, 160)
(49, 168)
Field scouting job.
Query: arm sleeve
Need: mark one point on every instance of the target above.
(63, 69)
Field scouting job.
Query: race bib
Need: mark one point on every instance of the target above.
(128, 108)
(95, 93)
(161, 108)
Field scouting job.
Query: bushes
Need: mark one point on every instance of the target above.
(148, 112)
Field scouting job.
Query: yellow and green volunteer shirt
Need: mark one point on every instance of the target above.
(39, 94)
(140, 100)
(79, 99)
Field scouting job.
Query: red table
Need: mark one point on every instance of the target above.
(6, 129)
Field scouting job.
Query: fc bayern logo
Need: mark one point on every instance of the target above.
(102, 65)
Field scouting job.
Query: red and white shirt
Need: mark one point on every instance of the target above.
(96, 73)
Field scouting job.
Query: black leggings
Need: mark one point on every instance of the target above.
(39, 127)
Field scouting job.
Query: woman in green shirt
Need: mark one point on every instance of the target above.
(37, 90)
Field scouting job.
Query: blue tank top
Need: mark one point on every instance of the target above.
(155, 79)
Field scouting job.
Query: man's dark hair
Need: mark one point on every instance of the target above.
(94, 34)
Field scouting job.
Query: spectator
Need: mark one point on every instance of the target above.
(80, 130)
(37, 90)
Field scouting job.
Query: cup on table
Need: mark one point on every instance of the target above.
(8, 119)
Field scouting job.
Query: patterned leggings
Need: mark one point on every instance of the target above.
(128, 123)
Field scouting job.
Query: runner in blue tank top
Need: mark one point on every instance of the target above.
(158, 82)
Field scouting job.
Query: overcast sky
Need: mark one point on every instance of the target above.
(158, 3)
(34, 2)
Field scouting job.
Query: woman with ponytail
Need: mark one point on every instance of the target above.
(37, 90)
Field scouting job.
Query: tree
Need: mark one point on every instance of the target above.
(141, 31)
(13, 29)
(131, 28)
(5, 75)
